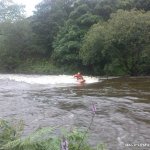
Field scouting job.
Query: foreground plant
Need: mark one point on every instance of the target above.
(10, 132)
(64, 144)
(45, 138)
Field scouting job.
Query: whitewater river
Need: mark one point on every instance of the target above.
(123, 106)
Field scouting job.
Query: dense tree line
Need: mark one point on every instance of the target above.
(94, 36)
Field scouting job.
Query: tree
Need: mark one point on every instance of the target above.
(13, 36)
(67, 44)
(105, 7)
(122, 42)
(142, 4)
(10, 11)
(50, 15)
(68, 41)
(92, 50)
(129, 35)
(16, 43)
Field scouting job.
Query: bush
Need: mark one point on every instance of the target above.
(43, 139)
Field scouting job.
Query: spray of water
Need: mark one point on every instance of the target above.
(46, 79)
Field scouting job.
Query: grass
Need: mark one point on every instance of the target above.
(38, 67)
(44, 67)
(42, 139)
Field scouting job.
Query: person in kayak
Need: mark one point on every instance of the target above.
(79, 77)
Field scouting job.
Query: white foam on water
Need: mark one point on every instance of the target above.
(46, 79)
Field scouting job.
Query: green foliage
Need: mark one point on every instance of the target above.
(128, 37)
(39, 140)
(87, 20)
(67, 44)
(39, 66)
(10, 132)
(50, 15)
(142, 4)
(42, 139)
(92, 49)
(104, 8)
(10, 11)
(144, 67)
(15, 44)
(63, 31)
(68, 41)
(123, 38)
(79, 11)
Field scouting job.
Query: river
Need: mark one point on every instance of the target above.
(123, 106)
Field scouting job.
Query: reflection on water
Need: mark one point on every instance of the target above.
(123, 108)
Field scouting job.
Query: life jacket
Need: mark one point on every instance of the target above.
(78, 76)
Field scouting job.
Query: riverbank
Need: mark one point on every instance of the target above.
(39, 67)
(46, 67)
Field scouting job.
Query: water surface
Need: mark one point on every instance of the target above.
(123, 106)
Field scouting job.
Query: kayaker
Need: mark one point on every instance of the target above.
(79, 77)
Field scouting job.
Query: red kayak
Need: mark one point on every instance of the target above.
(81, 81)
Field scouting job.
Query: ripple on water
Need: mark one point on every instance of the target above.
(123, 108)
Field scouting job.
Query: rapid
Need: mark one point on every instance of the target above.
(123, 106)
